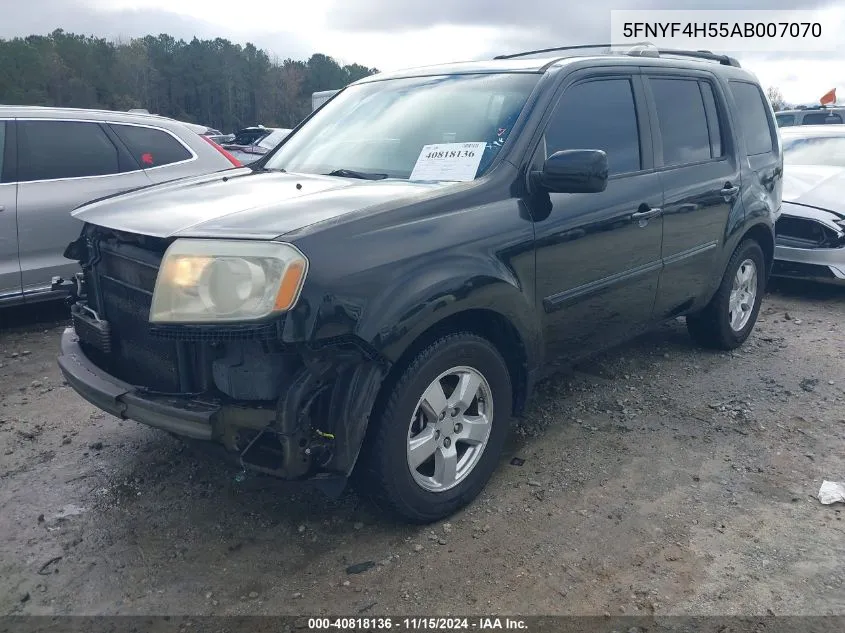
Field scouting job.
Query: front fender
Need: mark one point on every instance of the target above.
(416, 300)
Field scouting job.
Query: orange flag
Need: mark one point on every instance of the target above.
(828, 97)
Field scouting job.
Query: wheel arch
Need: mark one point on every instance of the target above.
(486, 323)
(762, 234)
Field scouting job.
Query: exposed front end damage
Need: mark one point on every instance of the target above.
(810, 244)
(295, 411)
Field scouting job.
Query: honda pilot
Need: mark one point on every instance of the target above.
(379, 295)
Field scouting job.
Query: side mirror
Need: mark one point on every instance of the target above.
(574, 171)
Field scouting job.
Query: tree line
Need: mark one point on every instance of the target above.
(776, 98)
(214, 82)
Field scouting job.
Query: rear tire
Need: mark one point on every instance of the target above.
(730, 316)
(464, 434)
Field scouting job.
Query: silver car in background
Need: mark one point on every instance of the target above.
(810, 233)
(53, 160)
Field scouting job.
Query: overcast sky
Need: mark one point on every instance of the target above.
(390, 34)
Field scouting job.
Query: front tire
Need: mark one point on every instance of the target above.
(732, 312)
(439, 436)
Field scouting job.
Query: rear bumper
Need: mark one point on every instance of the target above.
(822, 264)
(183, 417)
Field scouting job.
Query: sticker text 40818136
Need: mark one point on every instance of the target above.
(448, 162)
(455, 153)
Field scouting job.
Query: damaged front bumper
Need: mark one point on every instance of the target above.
(294, 406)
(182, 417)
(286, 438)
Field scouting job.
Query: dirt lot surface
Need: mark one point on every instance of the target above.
(657, 478)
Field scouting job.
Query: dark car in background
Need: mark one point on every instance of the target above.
(382, 291)
(247, 154)
(246, 137)
(811, 229)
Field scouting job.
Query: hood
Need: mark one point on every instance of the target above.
(241, 203)
(816, 186)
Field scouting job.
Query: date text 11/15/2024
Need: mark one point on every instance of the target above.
(416, 624)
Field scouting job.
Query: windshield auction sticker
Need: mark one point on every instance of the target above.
(448, 161)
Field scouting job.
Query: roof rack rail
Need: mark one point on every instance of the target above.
(725, 60)
(552, 50)
(641, 49)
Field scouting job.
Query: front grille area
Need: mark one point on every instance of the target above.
(138, 357)
(130, 271)
(120, 284)
(120, 276)
(271, 331)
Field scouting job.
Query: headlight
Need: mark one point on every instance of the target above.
(202, 281)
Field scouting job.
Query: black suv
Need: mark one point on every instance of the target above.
(386, 287)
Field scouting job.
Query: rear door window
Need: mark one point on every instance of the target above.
(151, 147)
(51, 150)
(682, 120)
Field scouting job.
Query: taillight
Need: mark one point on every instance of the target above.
(231, 158)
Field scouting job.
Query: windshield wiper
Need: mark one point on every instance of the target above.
(276, 169)
(349, 173)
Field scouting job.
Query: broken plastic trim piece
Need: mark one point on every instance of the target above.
(832, 492)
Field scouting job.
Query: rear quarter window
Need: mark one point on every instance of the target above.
(753, 113)
(151, 147)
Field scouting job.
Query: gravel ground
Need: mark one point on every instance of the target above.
(657, 479)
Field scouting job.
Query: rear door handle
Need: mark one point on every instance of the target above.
(647, 213)
(2, 208)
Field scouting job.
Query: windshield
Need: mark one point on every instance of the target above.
(381, 128)
(815, 150)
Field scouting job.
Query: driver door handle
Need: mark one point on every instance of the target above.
(646, 213)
